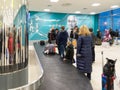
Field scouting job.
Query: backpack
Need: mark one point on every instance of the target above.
(109, 68)
(42, 42)
(70, 53)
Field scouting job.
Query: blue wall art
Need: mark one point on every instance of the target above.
(41, 22)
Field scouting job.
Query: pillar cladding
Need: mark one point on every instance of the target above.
(14, 79)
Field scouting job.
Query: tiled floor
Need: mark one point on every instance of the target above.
(112, 52)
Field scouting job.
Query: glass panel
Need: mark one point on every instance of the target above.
(13, 43)
(105, 23)
(105, 14)
(13, 35)
(116, 11)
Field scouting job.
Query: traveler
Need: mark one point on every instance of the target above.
(93, 44)
(84, 52)
(62, 41)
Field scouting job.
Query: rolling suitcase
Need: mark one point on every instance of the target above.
(108, 74)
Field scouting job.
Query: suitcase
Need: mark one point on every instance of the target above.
(42, 43)
(107, 82)
(108, 74)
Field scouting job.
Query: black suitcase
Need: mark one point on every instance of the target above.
(42, 43)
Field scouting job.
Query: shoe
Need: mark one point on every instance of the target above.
(61, 56)
(93, 61)
(64, 59)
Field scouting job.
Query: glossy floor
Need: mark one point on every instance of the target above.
(111, 52)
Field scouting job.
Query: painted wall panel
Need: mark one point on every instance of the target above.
(41, 22)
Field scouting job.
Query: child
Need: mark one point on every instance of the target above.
(69, 57)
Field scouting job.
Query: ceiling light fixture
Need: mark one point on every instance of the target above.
(19, 5)
(77, 12)
(92, 13)
(54, 0)
(46, 10)
(95, 4)
(114, 6)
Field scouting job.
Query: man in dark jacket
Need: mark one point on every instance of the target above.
(62, 41)
(93, 43)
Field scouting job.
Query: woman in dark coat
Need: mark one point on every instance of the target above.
(84, 52)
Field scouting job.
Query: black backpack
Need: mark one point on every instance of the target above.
(42, 42)
(70, 54)
(109, 68)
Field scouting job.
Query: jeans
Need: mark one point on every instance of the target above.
(62, 49)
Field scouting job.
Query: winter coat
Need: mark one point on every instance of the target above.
(84, 54)
(93, 39)
(10, 45)
(62, 38)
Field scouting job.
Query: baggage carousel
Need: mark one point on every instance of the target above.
(59, 75)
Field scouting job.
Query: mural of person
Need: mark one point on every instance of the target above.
(71, 23)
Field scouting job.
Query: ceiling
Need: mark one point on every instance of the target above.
(70, 6)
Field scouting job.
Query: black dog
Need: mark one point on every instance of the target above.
(109, 67)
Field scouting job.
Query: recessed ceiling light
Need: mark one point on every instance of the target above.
(114, 6)
(92, 13)
(54, 0)
(77, 12)
(46, 10)
(95, 4)
(19, 5)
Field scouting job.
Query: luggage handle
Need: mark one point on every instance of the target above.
(102, 60)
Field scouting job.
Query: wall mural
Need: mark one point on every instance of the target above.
(41, 22)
